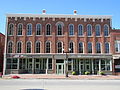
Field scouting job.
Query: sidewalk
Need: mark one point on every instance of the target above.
(54, 76)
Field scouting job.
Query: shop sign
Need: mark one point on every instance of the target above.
(117, 66)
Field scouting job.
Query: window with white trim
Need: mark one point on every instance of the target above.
(19, 47)
(10, 47)
(80, 47)
(47, 46)
(29, 29)
(89, 47)
(80, 30)
(11, 63)
(59, 47)
(10, 29)
(71, 29)
(29, 47)
(106, 30)
(37, 47)
(19, 29)
(105, 65)
(89, 30)
(97, 30)
(48, 29)
(107, 47)
(71, 47)
(38, 29)
(59, 29)
(117, 46)
(98, 47)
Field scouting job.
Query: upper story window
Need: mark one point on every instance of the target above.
(107, 47)
(10, 29)
(47, 46)
(19, 47)
(89, 30)
(10, 47)
(98, 47)
(80, 30)
(38, 29)
(37, 47)
(59, 47)
(48, 29)
(19, 29)
(89, 47)
(71, 29)
(59, 29)
(106, 30)
(117, 46)
(28, 47)
(29, 29)
(80, 47)
(71, 47)
(97, 30)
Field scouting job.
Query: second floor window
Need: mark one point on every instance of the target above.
(117, 46)
(19, 29)
(59, 47)
(89, 30)
(37, 47)
(19, 47)
(10, 47)
(98, 47)
(10, 29)
(89, 47)
(107, 47)
(38, 29)
(47, 46)
(71, 47)
(71, 29)
(29, 47)
(29, 29)
(48, 29)
(80, 47)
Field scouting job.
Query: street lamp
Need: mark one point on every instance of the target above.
(66, 62)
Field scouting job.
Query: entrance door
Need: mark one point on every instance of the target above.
(59, 68)
(29, 65)
(88, 65)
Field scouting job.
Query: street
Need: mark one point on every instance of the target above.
(58, 84)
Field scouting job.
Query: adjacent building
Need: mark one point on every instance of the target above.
(2, 43)
(56, 44)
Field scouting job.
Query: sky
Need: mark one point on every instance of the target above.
(83, 7)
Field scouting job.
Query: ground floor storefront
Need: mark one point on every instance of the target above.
(58, 64)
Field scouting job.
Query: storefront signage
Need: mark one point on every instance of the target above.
(117, 66)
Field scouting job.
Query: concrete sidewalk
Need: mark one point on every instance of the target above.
(54, 76)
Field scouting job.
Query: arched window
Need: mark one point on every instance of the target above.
(38, 29)
(80, 47)
(47, 46)
(10, 29)
(59, 47)
(107, 47)
(89, 47)
(98, 47)
(80, 30)
(19, 29)
(10, 47)
(97, 30)
(71, 29)
(71, 47)
(37, 47)
(48, 29)
(29, 47)
(59, 29)
(106, 30)
(19, 47)
(29, 29)
(89, 30)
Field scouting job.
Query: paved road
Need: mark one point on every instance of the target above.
(51, 84)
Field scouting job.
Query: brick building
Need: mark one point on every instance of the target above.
(2, 43)
(56, 44)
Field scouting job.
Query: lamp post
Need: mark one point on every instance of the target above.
(66, 62)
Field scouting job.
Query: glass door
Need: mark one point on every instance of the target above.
(59, 68)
